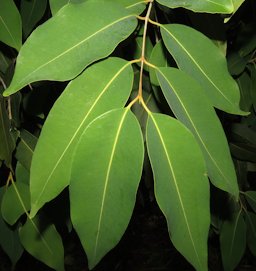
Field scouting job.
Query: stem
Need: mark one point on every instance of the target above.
(143, 49)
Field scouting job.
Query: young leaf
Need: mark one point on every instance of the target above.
(31, 12)
(209, 6)
(105, 176)
(25, 148)
(192, 107)
(16, 201)
(251, 199)
(233, 241)
(102, 87)
(41, 240)
(93, 29)
(251, 231)
(10, 24)
(198, 56)
(7, 144)
(181, 186)
(9, 238)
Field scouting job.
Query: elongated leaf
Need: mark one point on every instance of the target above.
(9, 238)
(41, 240)
(233, 241)
(49, 54)
(192, 107)
(106, 171)
(198, 56)
(181, 186)
(56, 5)
(103, 86)
(245, 84)
(25, 148)
(31, 12)
(15, 200)
(21, 174)
(251, 231)
(7, 143)
(209, 6)
(10, 24)
(251, 199)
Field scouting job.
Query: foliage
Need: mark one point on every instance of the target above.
(137, 80)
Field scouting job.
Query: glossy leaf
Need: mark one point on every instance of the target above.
(41, 240)
(192, 107)
(10, 24)
(7, 142)
(233, 241)
(181, 186)
(16, 201)
(48, 54)
(105, 176)
(251, 231)
(25, 148)
(9, 238)
(209, 6)
(31, 12)
(85, 98)
(251, 199)
(199, 57)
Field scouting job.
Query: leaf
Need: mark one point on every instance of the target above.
(84, 99)
(233, 241)
(10, 24)
(31, 12)
(236, 4)
(21, 174)
(251, 231)
(253, 79)
(41, 240)
(49, 54)
(25, 148)
(105, 176)
(208, 6)
(4, 62)
(16, 201)
(181, 186)
(135, 6)
(245, 85)
(192, 107)
(251, 199)
(199, 57)
(7, 142)
(9, 239)
(56, 5)
(236, 63)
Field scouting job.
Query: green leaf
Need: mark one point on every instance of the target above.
(41, 240)
(253, 79)
(136, 6)
(31, 12)
(199, 57)
(114, 161)
(209, 6)
(4, 62)
(84, 99)
(9, 238)
(21, 174)
(181, 186)
(7, 142)
(251, 199)
(233, 241)
(251, 231)
(56, 5)
(49, 54)
(10, 24)
(16, 201)
(192, 107)
(25, 148)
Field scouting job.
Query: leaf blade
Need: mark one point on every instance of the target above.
(192, 108)
(115, 161)
(168, 142)
(203, 61)
(66, 58)
(100, 97)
